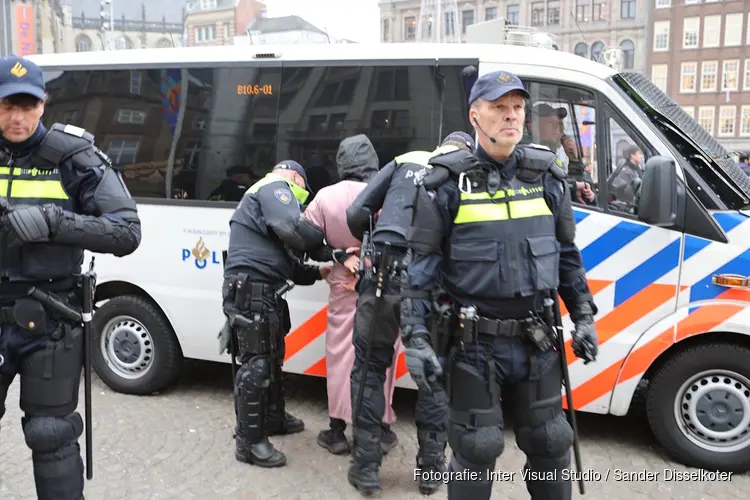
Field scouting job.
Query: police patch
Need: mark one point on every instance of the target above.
(283, 195)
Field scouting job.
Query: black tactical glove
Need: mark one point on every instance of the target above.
(585, 341)
(32, 224)
(421, 361)
(339, 255)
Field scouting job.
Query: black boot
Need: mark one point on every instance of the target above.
(278, 421)
(251, 440)
(389, 440)
(364, 471)
(333, 439)
(430, 458)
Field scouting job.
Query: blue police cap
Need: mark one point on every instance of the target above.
(495, 85)
(296, 167)
(20, 76)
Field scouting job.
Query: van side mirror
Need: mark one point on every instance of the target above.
(661, 194)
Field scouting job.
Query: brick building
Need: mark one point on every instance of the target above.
(699, 54)
(217, 22)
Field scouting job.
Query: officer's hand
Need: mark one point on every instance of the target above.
(31, 224)
(422, 362)
(325, 271)
(585, 341)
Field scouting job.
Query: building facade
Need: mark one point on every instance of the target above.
(585, 27)
(53, 26)
(700, 55)
(217, 22)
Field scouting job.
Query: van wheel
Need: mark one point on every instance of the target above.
(134, 349)
(698, 407)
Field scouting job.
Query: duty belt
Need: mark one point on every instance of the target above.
(471, 325)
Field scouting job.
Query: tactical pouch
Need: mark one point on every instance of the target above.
(538, 334)
(443, 325)
(30, 315)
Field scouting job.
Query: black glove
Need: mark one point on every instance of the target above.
(32, 224)
(421, 361)
(585, 341)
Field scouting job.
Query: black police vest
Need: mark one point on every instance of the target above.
(24, 184)
(502, 246)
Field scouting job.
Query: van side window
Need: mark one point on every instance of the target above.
(563, 119)
(191, 134)
(626, 157)
(397, 107)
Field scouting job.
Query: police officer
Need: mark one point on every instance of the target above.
(60, 196)
(391, 190)
(267, 242)
(499, 237)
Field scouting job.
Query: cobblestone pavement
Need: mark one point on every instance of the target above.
(178, 445)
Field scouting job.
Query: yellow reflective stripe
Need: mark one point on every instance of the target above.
(482, 196)
(23, 188)
(268, 179)
(521, 209)
(484, 212)
(4, 170)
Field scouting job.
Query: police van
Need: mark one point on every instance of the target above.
(190, 128)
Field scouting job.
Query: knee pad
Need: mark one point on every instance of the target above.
(552, 438)
(49, 434)
(481, 445)
(254, 375)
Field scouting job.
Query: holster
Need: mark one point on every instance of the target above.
(254, 333)
(442, 325)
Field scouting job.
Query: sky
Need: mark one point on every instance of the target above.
(356, 20)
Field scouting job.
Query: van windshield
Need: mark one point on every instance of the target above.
(709, 165)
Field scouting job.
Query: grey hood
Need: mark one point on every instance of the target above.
(356, 159)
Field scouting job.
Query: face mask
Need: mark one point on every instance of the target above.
(300, 194)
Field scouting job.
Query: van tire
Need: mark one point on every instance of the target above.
(722, 368)
(135, 322)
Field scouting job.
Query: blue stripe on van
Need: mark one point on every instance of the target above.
(729, 220)
(610, 242)
(705, 290)
(654, 268)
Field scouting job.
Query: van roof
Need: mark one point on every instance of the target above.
(341, 53)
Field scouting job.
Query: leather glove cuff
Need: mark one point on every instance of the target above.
(582, 313)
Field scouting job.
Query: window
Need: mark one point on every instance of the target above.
(467, 19)
(208, 4)
(711, 31)
(661, 36)
(746, 86)
(628, 54)
(730, 75)
(131, 116)
(691, 29)
(745, 121)
(227, 32)
(410, 28)
(626, 159)
(659, 74)
(553, 12)
(490, 13)
(581, 49)
(688, 73)
(690, 111)
(727, 119)
(386, 30)
(600, 11)
(513, 13)
(122, 151)
(627, 9)
(577, 148)
(163, 44)
(205, 33)
(733, 30)
(83, 43)
(596, 50)
(690, 2)
(124, 43)
(537, 14)
(392, 85)
(582, 10)
(706, 115)
(709, 73)
(450, 23)
(663, 4)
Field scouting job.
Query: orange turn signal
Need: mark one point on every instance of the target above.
(731, 280)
